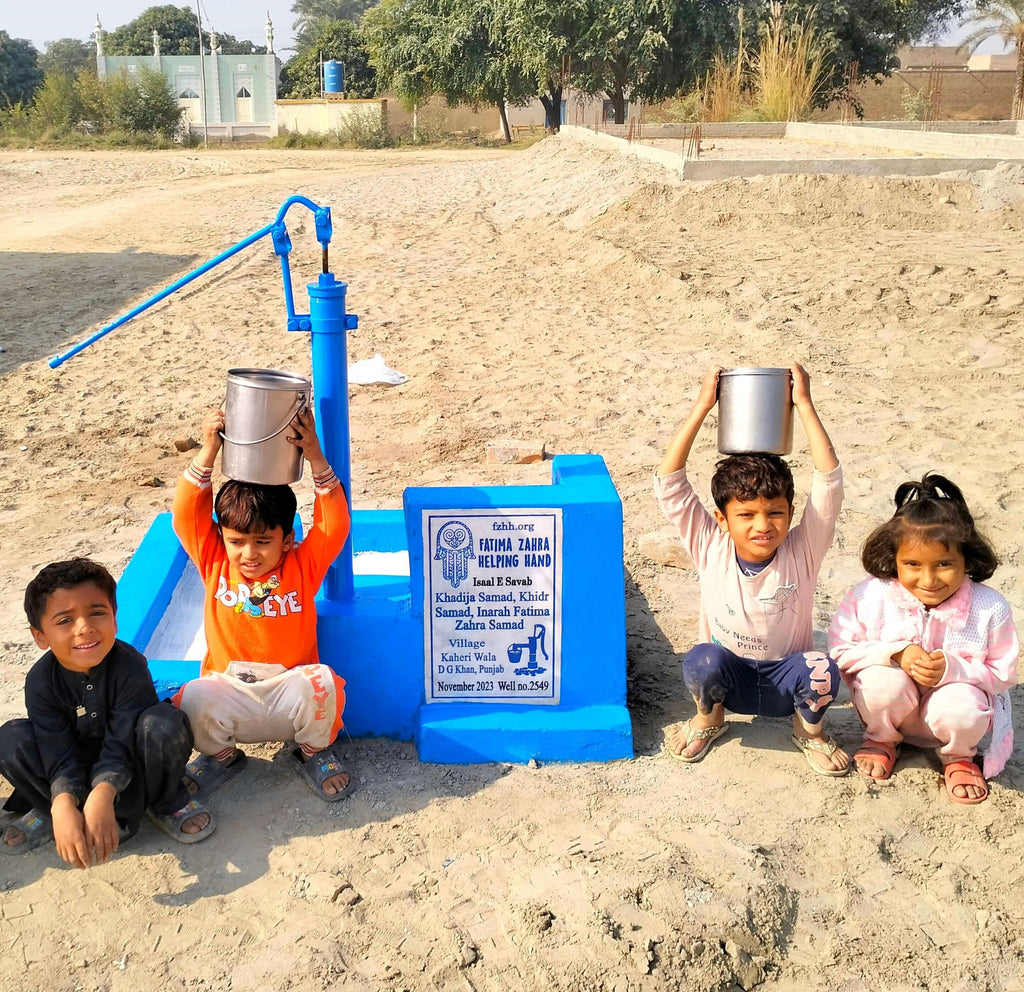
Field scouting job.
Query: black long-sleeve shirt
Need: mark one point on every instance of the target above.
(84, 722)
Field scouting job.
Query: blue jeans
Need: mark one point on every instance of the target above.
(805, 683)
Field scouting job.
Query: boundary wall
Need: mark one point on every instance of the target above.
(975, 145)
(928, 153)
(323, 116)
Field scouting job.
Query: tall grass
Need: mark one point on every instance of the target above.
(787, 69)
(778, 79)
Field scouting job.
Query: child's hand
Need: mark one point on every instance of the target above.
(69, 832)
(923, 667)
(801, 385)
(213, 427)
(306, 439)
(708, 395)
(100, 823)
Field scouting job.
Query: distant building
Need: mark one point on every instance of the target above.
(241, 90)
(931, 57)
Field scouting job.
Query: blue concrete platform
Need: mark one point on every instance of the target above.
(379, 640)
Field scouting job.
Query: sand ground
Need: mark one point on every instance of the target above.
(570, 297)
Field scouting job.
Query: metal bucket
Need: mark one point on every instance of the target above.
(258, 407)
(755, 411)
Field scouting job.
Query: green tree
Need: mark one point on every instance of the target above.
(141, 104)
(178, 31)
(452, 47)
(398, 38)
(56, 106)
(648, 49)
(339, 40)
(548, 40)
(67, 55)
(20, 74)
(313, 17)
(1003, 19)
(176, 27)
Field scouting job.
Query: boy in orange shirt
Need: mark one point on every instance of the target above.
(261, 679)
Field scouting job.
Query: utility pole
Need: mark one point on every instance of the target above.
(202, 78)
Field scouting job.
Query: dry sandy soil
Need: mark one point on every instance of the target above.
(569, 297)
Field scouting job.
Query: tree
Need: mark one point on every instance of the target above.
(176, 27)
(648, 49)
(20, 75)
(145, 103)
(547, 40)
(178, 31)
(67, 55)
(452, 47)
(398, 38)
(313, 17)
(1003, 19)
(340, 40)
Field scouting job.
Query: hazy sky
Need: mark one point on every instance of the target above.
(43, 21)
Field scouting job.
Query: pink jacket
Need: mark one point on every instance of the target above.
(974, 629)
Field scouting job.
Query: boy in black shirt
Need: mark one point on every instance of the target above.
(97, 749)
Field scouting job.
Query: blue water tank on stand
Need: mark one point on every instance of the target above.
(334, 77)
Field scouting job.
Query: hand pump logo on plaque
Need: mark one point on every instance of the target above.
(493, 591)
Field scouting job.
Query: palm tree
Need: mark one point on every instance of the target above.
(1004, 18)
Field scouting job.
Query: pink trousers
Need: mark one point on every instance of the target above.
(952, 718)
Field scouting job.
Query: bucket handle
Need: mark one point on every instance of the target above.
(300, 405)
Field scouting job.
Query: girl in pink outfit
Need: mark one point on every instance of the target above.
(927, 651)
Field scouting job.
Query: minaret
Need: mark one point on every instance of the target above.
(101, 63)
(270, 35)
(156, 43)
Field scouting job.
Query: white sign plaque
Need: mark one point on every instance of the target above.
(492, 610)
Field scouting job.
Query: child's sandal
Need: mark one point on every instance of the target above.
(172, 823)
(964, 773)
(37, 831)
(881, 753)
(208, 774)
(820, 745)
(318, 768)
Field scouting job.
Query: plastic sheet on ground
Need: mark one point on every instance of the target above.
(371, 370)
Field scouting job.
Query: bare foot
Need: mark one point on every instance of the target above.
(195, 823)
(14, 837)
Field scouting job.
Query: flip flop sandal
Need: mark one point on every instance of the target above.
(172, 823)
(885, 754)
(318, 768)
(209, 774)
(821, 745)
(37, 832)
(964, 773)
(708, 734)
